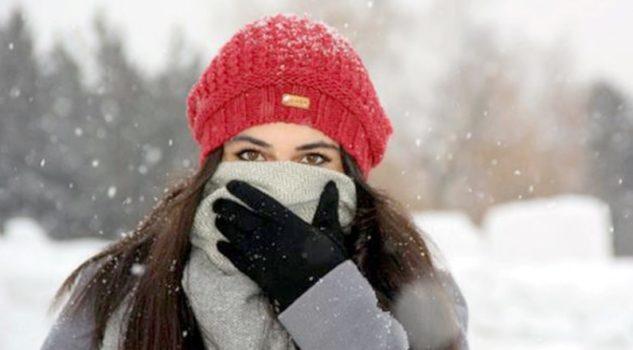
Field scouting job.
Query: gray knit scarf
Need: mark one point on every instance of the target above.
(231, 310)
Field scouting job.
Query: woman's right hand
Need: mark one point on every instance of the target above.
(277, 249)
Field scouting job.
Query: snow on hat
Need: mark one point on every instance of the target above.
(286, 68)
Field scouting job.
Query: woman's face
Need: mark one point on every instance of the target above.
(284, 141)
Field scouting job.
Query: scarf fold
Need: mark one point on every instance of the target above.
(231, 309)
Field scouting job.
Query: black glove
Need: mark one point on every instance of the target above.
(282, 253)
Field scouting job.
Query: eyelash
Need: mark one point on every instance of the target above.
(326, 159)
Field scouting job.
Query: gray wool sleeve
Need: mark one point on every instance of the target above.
(73, 333)
(460, 307)
(340, 311)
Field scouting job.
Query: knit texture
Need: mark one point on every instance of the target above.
(231, 309)
(245, 84)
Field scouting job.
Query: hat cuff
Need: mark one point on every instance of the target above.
(261, 105)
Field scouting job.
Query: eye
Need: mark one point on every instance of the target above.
(249, 155)
(315, 159)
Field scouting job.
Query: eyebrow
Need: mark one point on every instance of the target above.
(264, 144)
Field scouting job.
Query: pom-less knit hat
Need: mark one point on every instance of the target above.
(286, 68)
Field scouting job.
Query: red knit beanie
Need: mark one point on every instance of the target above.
(286, 68)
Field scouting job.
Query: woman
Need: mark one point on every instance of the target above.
(277, 241)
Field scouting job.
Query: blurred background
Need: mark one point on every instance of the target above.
(512, 145)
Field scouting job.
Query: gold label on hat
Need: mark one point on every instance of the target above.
(295, 101)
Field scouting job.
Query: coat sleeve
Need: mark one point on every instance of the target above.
(460, 308)
(73, 333)
(340, 311)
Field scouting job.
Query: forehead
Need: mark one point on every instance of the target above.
(281, 132)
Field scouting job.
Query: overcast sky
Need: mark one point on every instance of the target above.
(598, 31)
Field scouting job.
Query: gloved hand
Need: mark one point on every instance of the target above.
(277, 249)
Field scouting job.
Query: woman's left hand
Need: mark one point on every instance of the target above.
(277, 249)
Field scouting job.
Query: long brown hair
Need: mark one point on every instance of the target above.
(387, 247)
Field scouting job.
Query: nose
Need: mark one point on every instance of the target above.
(281, 155)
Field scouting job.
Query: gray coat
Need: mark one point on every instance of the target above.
(327, 316)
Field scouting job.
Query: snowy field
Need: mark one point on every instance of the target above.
(537, 275)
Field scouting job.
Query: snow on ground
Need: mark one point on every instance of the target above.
(32, 267)
(537, 276)
(569, 227)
